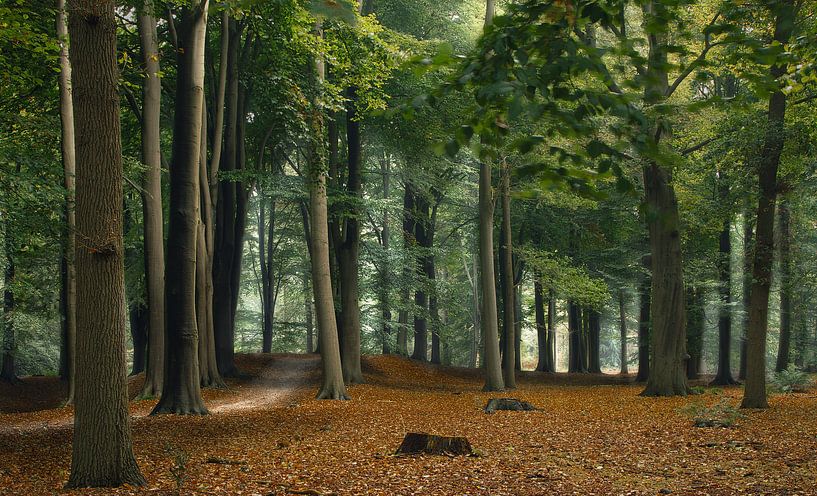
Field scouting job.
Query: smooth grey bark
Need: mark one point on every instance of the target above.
(409, 197)
(153, 224)
(181, 390)
(507, 275)
(69, 271)
(784, 346)
(723, 377)
(102, 452)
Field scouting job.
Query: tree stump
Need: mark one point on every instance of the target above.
(420, 443)
(511, 404)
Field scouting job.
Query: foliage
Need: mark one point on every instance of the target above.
(721, 414)
(792, 380)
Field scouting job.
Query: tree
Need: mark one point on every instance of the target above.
(102, 450)
(152, 202)
(783, 348)
(181, 390)
(507, 275)
(723, 377)
(754, 395)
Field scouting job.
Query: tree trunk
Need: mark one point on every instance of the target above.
(494, 380)
(349, 249)
(408, 243)
(754, 395)
(551, 329)
(310, 347)
(138, 316)
(694, 332)
(543, 364)
(152, 203)
(724, 375)
(8, 371)
(506, 273)
(644, 326)
(594, 339)
(181, 391)
(426, 276)
(69, 272)
(385, 283)
(332, 386)
(576, 342)
(622, 326)
(226, 214)
(748, 255)
(784, 345)
(668, 320)
(205, 246)
(102, 454)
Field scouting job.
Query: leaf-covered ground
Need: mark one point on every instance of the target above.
(592, 435)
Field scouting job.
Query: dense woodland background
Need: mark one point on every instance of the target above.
(561, 186)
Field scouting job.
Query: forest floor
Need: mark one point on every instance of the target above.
(268, 436)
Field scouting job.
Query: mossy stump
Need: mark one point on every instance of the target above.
(511, 404)
(416, 443)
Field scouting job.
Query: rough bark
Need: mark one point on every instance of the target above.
(152, 202)
(754, 395)
(181, 390)
(506, 273)
(332, 386)
(723, 377)
(69, 271)
(784, 345)
(644, 327)
(102, 453)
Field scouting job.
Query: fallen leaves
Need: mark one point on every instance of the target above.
(584, 439)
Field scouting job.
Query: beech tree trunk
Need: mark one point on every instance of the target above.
(181, 391)
(576, 345)
(748, 256)
(543, 365)
(349, 249)
(507, 273)
(489, 324)
(426, 276)
(385, 282)
(8, 371)
(69, 272)
(332, 386)
(594, 339)
(622, 326)
(644, 326)
(102, 453)
(754, 394)
(723, 377)
(784, 346)
(694, 332)
(408, 243)
(152, 203)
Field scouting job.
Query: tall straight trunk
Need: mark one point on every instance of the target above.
(551, 329)
(543, 364)
(783, 349)
(102, 453)
(152, 203)
(594, 340)
(8, 371)
(694, 332)
(434, 316)
(241, 202)
(517, 316)
(622, 327)
(424, 272)
(266, 249)
(181, 391)
(69, 271)
(644, 326)
(385, 283)
(489, 321)
(576, 343)
(208, 366)
(332, 386)
(225, 221)
(475, 312)
(723, 377)
(507, 273)
(748, 255)
(349, 249)
(408, 243)
(667, 373)
(138, 317)
(754, 395)
(218, 115)
(310, 347)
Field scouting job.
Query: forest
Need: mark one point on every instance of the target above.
(328, 247)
